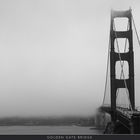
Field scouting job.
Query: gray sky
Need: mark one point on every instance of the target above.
(53, 55)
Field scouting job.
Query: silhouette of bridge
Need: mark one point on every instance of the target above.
(125, 118)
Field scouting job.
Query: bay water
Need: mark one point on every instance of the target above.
(49, 130)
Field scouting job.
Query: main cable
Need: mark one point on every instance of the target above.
(135, 29)
(107, 69)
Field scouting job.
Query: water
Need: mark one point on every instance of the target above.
(48, 130)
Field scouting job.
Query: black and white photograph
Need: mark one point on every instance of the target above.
(69, 67)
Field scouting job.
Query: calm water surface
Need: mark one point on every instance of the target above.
(46, 130)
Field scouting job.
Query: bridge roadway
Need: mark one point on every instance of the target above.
(124, 115)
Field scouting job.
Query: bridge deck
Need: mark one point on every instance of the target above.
(124, 115)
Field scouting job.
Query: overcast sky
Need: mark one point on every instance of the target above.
(53, 55)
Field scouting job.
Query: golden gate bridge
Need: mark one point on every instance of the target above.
(119, 85)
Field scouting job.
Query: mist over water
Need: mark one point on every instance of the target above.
(53, 55)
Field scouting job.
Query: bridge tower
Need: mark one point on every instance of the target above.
(115, 83)
(124, 120)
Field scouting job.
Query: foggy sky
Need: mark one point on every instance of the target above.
(53, 55)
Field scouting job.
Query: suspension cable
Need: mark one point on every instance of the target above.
(122, 68)
(107, 69)
(135, 29)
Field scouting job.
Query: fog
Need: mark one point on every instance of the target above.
(53, 55)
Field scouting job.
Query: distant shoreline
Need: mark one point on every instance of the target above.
(63, 121)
